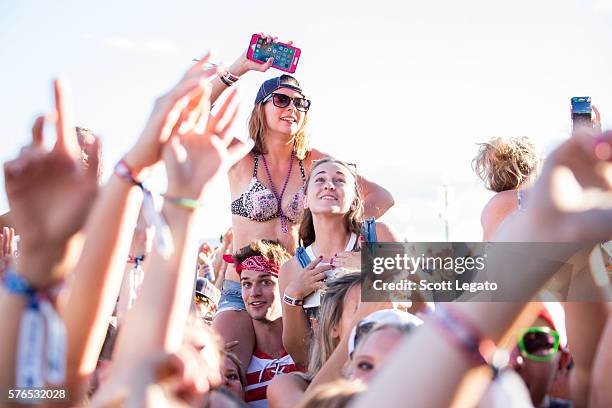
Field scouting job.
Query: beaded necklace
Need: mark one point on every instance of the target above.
(279, 198)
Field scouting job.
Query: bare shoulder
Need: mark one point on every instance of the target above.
(384, 233)
(502, 203)
(286, 390)
(242, 169)
(500, 206)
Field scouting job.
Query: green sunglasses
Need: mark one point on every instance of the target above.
(539, 343)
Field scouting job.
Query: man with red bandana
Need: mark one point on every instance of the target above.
(258, 265)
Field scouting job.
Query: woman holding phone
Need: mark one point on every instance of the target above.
(331, 232)
(267, 186)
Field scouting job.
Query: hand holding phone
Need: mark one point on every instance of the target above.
(283, 56)
(308, 283)
(581, 112)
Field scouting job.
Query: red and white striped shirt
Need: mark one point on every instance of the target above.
(262, 369)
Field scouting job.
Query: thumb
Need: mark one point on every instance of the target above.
(268, 64)
(93, 159)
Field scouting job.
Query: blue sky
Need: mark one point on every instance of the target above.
(404, 89)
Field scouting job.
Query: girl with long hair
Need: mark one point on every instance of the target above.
(331, 233)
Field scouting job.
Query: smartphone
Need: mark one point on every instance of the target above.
(314, 299)
(285, 56)
(581, 112)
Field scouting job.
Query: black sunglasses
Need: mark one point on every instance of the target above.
(282, 101)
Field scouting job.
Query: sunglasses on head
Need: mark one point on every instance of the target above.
(353, 165)
(539, 343)
(282, 101)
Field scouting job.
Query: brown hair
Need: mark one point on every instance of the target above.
(504, 163)
(336, 394)
(271, 250)
(353, 218)
(258, 128)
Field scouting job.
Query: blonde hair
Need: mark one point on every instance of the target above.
(353, 219)
(336, 394)
(258, 129)
(330, 314)
(239, 367)
(505, 163)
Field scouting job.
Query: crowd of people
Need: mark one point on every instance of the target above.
(108, 301)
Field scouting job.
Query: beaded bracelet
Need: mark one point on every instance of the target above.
(228, 78)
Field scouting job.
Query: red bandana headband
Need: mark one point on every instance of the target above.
(254, 263)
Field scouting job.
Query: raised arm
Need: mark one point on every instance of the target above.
(297, 283)
(97, 277)
(50, 194)
(551, 215)
(376, 199)
(219, 266)
(239, 68)
(193, 161)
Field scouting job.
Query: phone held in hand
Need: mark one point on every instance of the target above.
(581, 112)
(285, 56)
(314, 299)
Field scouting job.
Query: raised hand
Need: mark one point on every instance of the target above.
(570, 201)
(166, 116)
(242, 65)
(49, 192)
(596, 118)
(228, 237)
(200, 149)
(6, 248)
(308, 280)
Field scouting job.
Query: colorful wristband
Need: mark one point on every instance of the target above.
(184, 202)
(135, 259)
(17, 285)
(124, 171)
(292, 301)
(41, 344)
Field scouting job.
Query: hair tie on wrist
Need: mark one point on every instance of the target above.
(188, 203)
(124, 171)
(163, 236)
